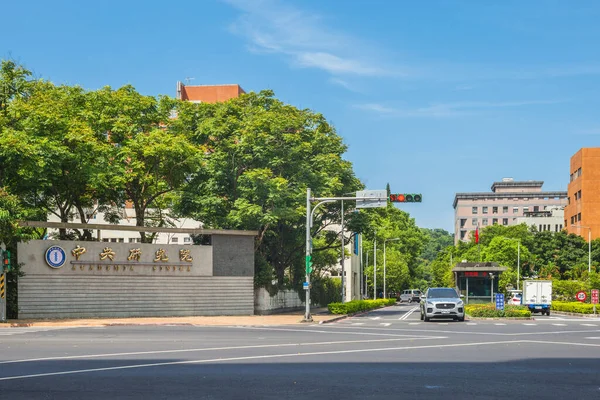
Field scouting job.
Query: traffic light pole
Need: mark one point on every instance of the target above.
(309, 219)
(2, 295)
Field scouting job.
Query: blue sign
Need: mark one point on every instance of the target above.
(499, 301)
(305, 285)
(55, 257)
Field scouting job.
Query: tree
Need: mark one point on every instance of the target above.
(148, 161)
(259, 156)
(51, 156)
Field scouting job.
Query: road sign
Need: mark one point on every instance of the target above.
(379, 201)
(305, 285)
(499, 301)
(595, 296)
(581, 296)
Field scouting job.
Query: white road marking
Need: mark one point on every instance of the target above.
(471, 323)
(384, 323)
(408, 313)
(588, 325)
(19, 331)
(375, 318)
(499, 324)
(219, 360)
(559, 324)
(527, 324)
(593, 337)
(258, 346)
(465, 332)
(358, 323)
(414, 323)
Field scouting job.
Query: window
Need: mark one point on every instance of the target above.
(579, 195)
(484, 222)
(463, 222)
(474, 210)
(556, 228)
(539, 228)
(505, 210)
(494, 210)
(462, 235)
(504, 221)
(536, 208)
(579, 217)
(560, 228)
(174, 240)
(484, 210)
(579, 172)
(525, 209)
(121, 240)
(187, 239)
(494, 221)
(474, 222)
(572, 220)
(514, 220)
(113, 240)
(515, 210)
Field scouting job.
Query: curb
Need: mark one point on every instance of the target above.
(576, 314)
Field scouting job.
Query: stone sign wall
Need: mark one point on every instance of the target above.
(67, 279)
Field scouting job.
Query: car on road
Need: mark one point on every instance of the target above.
(410, 295)
(442, 303)
(515, 298)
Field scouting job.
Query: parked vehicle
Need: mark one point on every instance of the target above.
(537, 296)
(442, 303)
(515, 297)
(410, 295)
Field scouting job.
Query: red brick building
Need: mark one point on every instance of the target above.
(208, 93)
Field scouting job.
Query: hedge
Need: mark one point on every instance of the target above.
(573, 307)
(489, 311)
(355, 306)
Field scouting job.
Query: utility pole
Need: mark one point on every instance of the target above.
(375, 266)
(307, 316)
(343, 257)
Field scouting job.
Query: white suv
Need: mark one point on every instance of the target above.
(410, 295)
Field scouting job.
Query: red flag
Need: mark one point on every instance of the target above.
(477, 235)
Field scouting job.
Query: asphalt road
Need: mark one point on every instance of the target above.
(385, 354)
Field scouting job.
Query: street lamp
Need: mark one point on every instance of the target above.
(518, 259)
(384, 264)
(492, 285)
(589, 245)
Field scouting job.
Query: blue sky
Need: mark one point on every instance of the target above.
(434, 97)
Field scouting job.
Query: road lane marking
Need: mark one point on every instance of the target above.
(414, 323)
(385, 323)
(258, 346)
(336, 326)
(358, 323)
(588, 325)
(499, 324)
(259, 357)
(559, 324)
(408, 313)
(471, 323)
(593, 337)
(526, 324)
(374, 318)
(20, 331)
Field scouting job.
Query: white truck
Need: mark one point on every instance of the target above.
(537, 296)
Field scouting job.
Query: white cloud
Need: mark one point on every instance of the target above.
(274, 27)
(445, 110)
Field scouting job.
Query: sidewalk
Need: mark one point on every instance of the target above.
(295, 318)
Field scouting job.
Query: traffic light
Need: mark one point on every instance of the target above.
(406, 198)
(6, 260)
(309, 264)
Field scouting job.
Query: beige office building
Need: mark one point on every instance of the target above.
(505, 204)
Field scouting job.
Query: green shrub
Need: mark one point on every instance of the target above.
(573, 307)
(565, 290)
(355, 306)
(489, 311)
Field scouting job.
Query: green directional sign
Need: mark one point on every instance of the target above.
(309, 264)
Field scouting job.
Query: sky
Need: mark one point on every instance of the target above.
(432, 97)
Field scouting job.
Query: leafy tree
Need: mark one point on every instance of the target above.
(260, 155)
